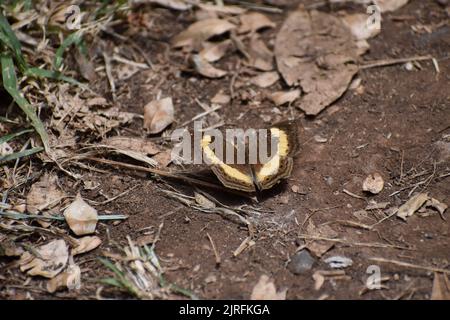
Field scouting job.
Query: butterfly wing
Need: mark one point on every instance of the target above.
(279, 166)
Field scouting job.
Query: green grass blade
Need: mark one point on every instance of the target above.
(55, 75)
(73, 38)
(10, 84)
(11, 136)
(8, 37)
(21, 154)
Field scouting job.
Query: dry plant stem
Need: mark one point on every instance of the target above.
(409, 265)
(216, 253)
(167, 174)
(358, 244)
(389, 62)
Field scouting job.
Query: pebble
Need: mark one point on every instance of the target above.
(301, 262)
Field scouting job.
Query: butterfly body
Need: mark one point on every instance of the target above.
(261, 175)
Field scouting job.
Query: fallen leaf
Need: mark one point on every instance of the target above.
(134, 144)
(163, 158)
(339, 262)
(441, 287)
(436, 204)
(200, 31)
(390, 5)
(9, 248)
(70, 279)
(319, 248)
(5, 149)
(81, 217)
(206, 69)
(315, 49)
(265, 290)
(180, 5)
(373, 183)
(45, 197)
(412, 205)
(254, 21)
(158, 114)
(51, 260)
(282, 97)
(221, 98)
(204, 201)
(259, 56)
(215, 51)
(221, 8)
(360, 29)
(85, 244)
(265, 79)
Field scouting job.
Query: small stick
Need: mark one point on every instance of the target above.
(216, 253)
(358, 244)
(167, 174)
(410, 265)
(352, 194)
(389, 62)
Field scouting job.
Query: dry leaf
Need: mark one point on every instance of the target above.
(201, 31)
(221, 98)
(181, 5)
(204, 68)
(133, 143)
(265, 290)
(265, 79)
(81, 217)
(70, 279)
(163, 158)
(282, 97)
(259, 56)
(158, 114)
(360, 29)
(215, 51)
(51, 260)
(204, 201)
(5, 149)
(9, 249)
(319, 248)
(441, 287)
(412, 205)
(45, 197)
(221, 8)
(316, 50)
(254, 21)
(373, 183)
(85, 244)
(436, 204)
(390, 5)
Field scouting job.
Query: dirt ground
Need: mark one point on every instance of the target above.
(396, 124)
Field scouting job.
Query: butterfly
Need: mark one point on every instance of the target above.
(252, 176)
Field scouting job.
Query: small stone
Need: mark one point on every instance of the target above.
(301, 262)
(373, 183)
(339, 262)
(409, 66)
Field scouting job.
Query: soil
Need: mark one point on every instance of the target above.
(393, 126)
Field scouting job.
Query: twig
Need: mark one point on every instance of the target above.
(358, 244)
(167, 174)
(352, 194)
(409, 265)
(216, 253)
(389, 62)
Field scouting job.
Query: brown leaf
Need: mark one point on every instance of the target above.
(215, 51)
(85, 244)
(70, 279)
(51, 260)
(200, 31)
(254, 21)
(81, 217)
(45, 197)
(158, 114)
(265, 290)
(134, 144)
(412, 205)
(441, 287)
(282, 97)
(221, 98)
(204, 68)
(390, 5)
(181, 5)
(259, 56)
(316, 50)
(360, 29)
(265, 79)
